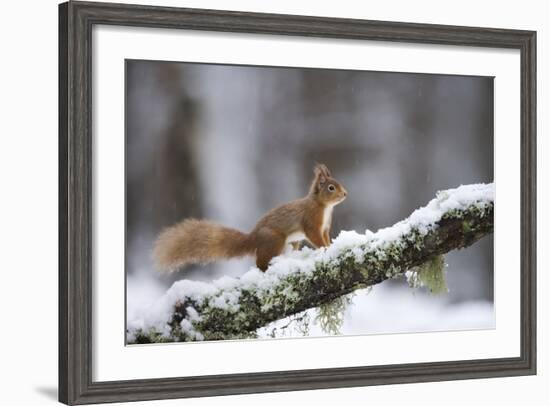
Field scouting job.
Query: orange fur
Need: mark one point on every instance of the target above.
(201, 241)
(198, 241)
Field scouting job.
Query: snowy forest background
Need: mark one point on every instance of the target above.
(228, 143)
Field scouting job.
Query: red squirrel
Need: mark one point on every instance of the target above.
(202, 241)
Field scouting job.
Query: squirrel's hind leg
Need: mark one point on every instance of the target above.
(270, 244)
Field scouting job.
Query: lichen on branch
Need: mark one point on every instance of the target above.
(231, 308)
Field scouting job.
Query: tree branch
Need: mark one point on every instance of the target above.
(236, 308)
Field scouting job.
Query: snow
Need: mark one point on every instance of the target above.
(224, 293)
(227, 300)
(188, 328)
(390, 310)
(192, 314)
(423, 219)
(159, 313)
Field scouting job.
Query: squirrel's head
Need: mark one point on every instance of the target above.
(325, 188)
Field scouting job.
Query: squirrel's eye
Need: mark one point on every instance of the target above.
(331, 188)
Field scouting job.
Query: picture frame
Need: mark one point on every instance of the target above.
(76, 256)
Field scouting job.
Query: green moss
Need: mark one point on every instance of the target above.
(330, 316)
(432, 275)
(364, 272)
(149, 336)
(476, 210)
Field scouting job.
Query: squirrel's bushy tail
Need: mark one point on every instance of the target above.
(198, 242)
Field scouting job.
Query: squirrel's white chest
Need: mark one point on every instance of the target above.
(327, 217)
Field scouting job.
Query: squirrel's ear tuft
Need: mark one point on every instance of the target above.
(321, 169)
(322, 174)
(320, 177)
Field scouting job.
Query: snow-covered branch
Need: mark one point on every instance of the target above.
(236, 307)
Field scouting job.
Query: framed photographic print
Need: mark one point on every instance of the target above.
(257, 202)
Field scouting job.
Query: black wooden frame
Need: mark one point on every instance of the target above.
(76, 20)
